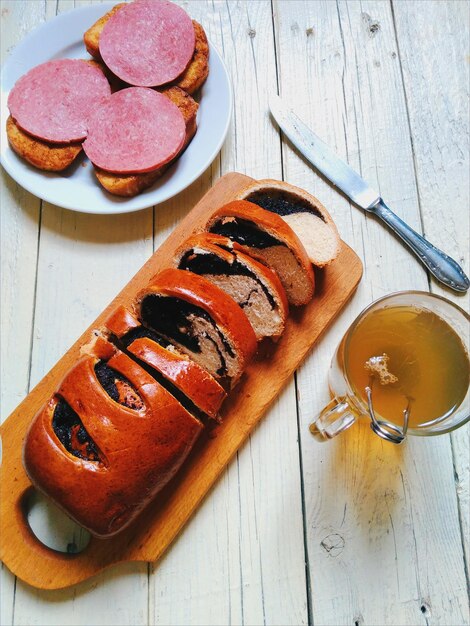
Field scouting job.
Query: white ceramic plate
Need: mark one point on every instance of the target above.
(78, 189)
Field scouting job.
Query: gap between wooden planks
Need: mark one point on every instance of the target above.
(159, 524)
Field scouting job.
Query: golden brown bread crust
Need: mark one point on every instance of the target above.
(223, 310)
(121, 321)
(275, 226)
(45, 156)
(191, 379)
(194, 75)
(322, 246)
(187, 105)
(220, 246)
(128, 185)
(132, 184)
(137, 450)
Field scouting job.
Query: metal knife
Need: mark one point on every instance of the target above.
(361, 193)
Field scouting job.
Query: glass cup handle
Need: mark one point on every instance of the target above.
(334, 418)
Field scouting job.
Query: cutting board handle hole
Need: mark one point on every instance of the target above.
(51, 526)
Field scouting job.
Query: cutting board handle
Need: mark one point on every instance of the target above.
(24, 553)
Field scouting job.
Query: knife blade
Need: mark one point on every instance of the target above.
(320, 155)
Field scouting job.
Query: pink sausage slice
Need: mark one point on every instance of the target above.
(137, 130)
(54, 100)
(148, 43)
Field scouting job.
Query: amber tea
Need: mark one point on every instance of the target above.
(410, 358)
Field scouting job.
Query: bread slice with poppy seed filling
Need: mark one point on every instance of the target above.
(266, 237)
(304, 213)
(256, 288)
(201, 320)
(165, 360)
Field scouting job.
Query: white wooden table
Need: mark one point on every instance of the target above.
(352, 532)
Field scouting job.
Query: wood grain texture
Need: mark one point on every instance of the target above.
(153, 532)
(19, 232)
(368, 505)
(437, 95)
(73, 257)
(242, 558)
(238, 575)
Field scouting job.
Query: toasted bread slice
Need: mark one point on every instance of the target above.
(194, 75)
(132, 184)
(46, 156)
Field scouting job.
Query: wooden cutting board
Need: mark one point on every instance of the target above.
(151, 534)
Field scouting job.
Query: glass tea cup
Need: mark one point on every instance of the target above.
(362, 386)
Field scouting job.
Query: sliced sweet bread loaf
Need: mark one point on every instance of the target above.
(201, 320)
(164, 360)
(256, 288)
(266, 237)
(304, 213)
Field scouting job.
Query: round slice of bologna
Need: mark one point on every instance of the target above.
(148, 43)
(54, 100)
(136, 130)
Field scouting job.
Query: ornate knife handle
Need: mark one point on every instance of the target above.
(439, 264)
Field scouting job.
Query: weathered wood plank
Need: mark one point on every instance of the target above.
(437, 94)
(368, 505)
(77, 275)
(231, 560)
(381, 522)
(19, 226)
(19, 232)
